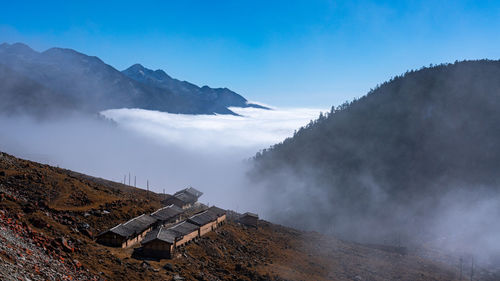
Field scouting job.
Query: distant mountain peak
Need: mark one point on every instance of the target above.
(17, 48)
(136, 66)
(143, 71)
(21, 46)
(220, 98)
(91, 85)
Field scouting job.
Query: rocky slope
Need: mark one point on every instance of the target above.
(48, 217)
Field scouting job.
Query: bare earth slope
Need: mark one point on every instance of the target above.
(48, 217)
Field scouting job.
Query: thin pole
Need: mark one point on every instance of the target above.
(147, 192)
(128, 178)
(461, 268)
(125, 179)
(472, 268)
(135, 180)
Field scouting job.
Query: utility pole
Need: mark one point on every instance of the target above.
(472, 268)
(128, 178)
(135, 181)
(461, 268)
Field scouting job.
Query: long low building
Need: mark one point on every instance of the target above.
(162, 242)
(206, 221)
(128, 233)
(220, 213)
(167, 214)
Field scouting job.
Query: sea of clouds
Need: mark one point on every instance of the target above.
(171, 151)
(252, 130)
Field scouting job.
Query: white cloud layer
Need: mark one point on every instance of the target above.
(253, 130)
(171, 151)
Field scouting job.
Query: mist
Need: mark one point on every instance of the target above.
(412, 163)
(462, 223)
(171, 151)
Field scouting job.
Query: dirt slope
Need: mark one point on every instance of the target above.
(48, 217)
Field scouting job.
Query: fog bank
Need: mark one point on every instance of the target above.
(172, 151)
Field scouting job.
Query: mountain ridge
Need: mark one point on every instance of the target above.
(94, 85)
(385, 163)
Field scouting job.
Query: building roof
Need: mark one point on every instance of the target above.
(167, 213)
(248, 214)
(162, 234)
(190, 190)
(183, 228)
(134, 226)
(186, 197)
(217, 211)
(202, 218)
(174, 200)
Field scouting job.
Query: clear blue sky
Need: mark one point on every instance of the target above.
(284, 53)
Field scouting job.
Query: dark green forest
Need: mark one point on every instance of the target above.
(387, 160)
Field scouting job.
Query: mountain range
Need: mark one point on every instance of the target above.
(63, 80)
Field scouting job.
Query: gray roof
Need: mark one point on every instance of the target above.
(190, 190)
(174, 200)
(183, 228)
(186, 197)
(162, 234)
(250, 215)
(134, 226)
(217, 211)
(202, 218)
(167, 213)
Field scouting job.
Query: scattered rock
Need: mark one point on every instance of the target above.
(145, 265)
(177, 278)
(168, 267)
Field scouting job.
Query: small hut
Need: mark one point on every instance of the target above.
(249, 219)
(128, 233)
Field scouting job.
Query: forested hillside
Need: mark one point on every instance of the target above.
(390, 161)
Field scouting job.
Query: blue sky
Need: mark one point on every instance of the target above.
(284, 53)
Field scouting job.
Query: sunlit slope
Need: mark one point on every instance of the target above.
(44, 213)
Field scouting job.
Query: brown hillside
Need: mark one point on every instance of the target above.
(48, 217)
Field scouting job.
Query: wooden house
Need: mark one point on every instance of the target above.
(249, 219)
(159, 243)
(128, 233)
